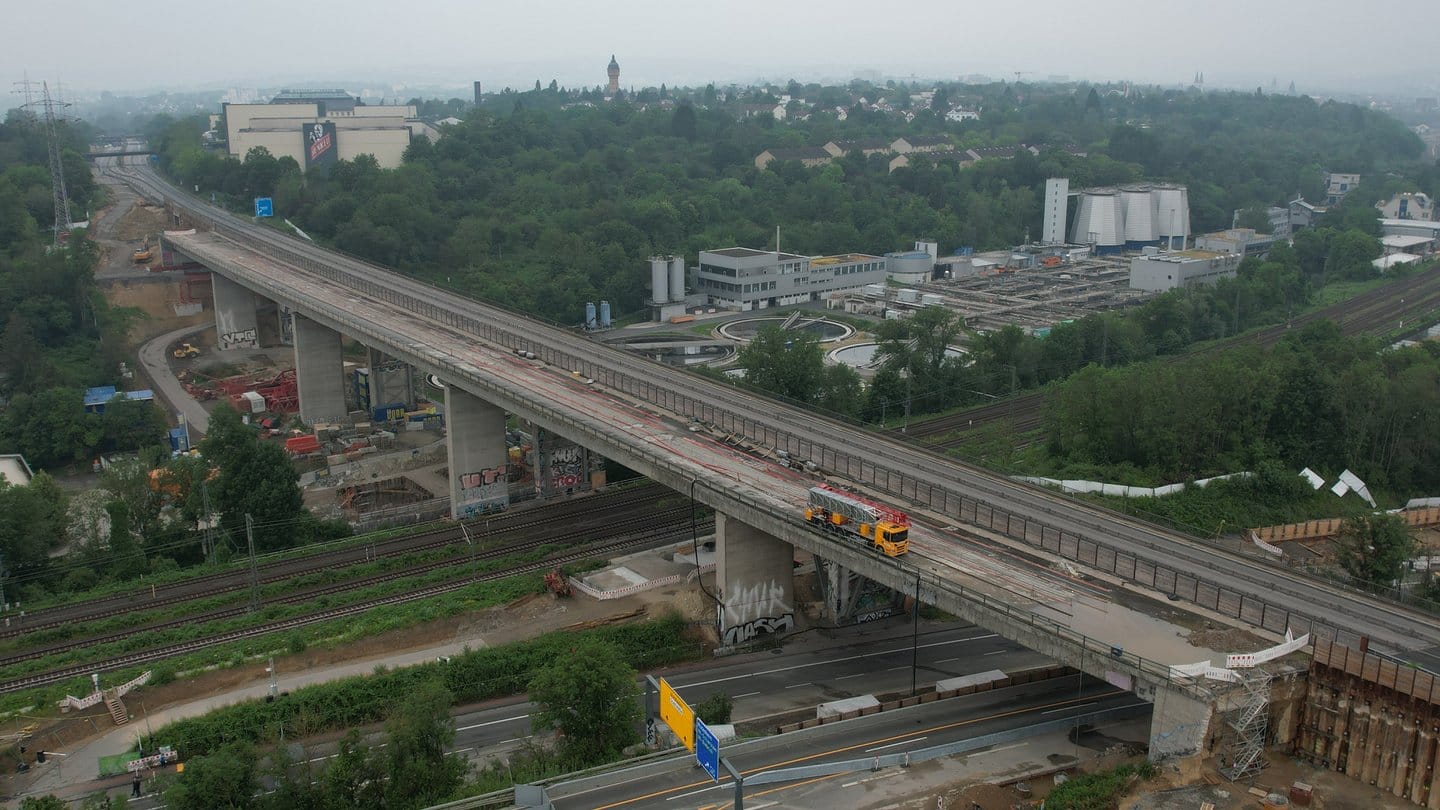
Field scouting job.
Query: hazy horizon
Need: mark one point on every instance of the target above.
(145, 46)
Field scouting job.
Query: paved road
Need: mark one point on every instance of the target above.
(154, 359)
(868, 659)
(681, 785)
(1258, 592)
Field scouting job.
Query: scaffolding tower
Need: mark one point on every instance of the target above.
(1251, 724)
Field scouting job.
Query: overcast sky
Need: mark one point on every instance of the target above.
(143, 45)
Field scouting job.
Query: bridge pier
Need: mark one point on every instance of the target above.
(1179, 724)
(319, 371)
(755, 576)
(563, 467)
(475, 441)
(851, 598)
(236, 324)
(391, 380)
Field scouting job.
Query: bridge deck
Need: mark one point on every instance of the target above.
(625, 420)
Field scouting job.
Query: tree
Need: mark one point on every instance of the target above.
(1351, 255)
(590, 699)
(420, 772)
(789, 364)
(224, 779)
(256, 478)
(355, 778)
(1374, 548)
(1256, 217)
(682, 122)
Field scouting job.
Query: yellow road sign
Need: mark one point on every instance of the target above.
(677, 714)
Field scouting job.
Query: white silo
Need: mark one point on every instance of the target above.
(1141, 222)
(659, 291)
(1100, 221)
(1172, 206)
(677, 279)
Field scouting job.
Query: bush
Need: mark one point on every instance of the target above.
(715, 710)
(1093, 791)
(471, 677)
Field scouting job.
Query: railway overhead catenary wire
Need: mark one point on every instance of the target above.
(595, 509)
(650, 533)
(899, 471)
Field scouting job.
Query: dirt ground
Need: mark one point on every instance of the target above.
(139, 222)
(1331, 791)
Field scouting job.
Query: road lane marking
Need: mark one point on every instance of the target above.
(829, 661)
(948, 660)
(797, 685)
(892, 745)
(856, 675)
(996, 652)
(747, 694)
(1067, 708)
(493, 722)
(843, 749)
(694, 792)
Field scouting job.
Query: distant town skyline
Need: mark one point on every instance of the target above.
(144, 46)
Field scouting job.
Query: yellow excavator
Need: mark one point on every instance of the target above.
(185, 350)
(142, 253)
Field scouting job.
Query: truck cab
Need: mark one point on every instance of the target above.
(892, 538)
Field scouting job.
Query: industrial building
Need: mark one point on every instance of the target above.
(317, 128)
(1158, 271)
(1243, 241)
(745, 279)
(1117, 219)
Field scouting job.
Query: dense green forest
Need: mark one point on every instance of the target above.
(1317, 399)
(543, 208)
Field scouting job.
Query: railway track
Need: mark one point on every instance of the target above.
(905, 472)
(668, 519)
(238, 577)
(1378, 311)
(649, 536)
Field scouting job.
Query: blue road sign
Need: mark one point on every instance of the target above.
(707, 749)
(264, 207)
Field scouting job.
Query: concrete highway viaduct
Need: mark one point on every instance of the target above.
(646, 416)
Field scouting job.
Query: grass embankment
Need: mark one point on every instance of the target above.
(177, 575)
(334, 632)
(472, 676)
(268, 613)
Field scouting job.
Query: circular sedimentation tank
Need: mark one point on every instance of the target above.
(679, 349)
(826, 331)
(865, 355)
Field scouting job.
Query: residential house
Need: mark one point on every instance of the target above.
(1339, 184)
(957, 115)
(1408, 206)
(959, 157)
(921, 143)
(865, 146)
(807, 155)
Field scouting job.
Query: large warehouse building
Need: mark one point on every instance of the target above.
(320, 127)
